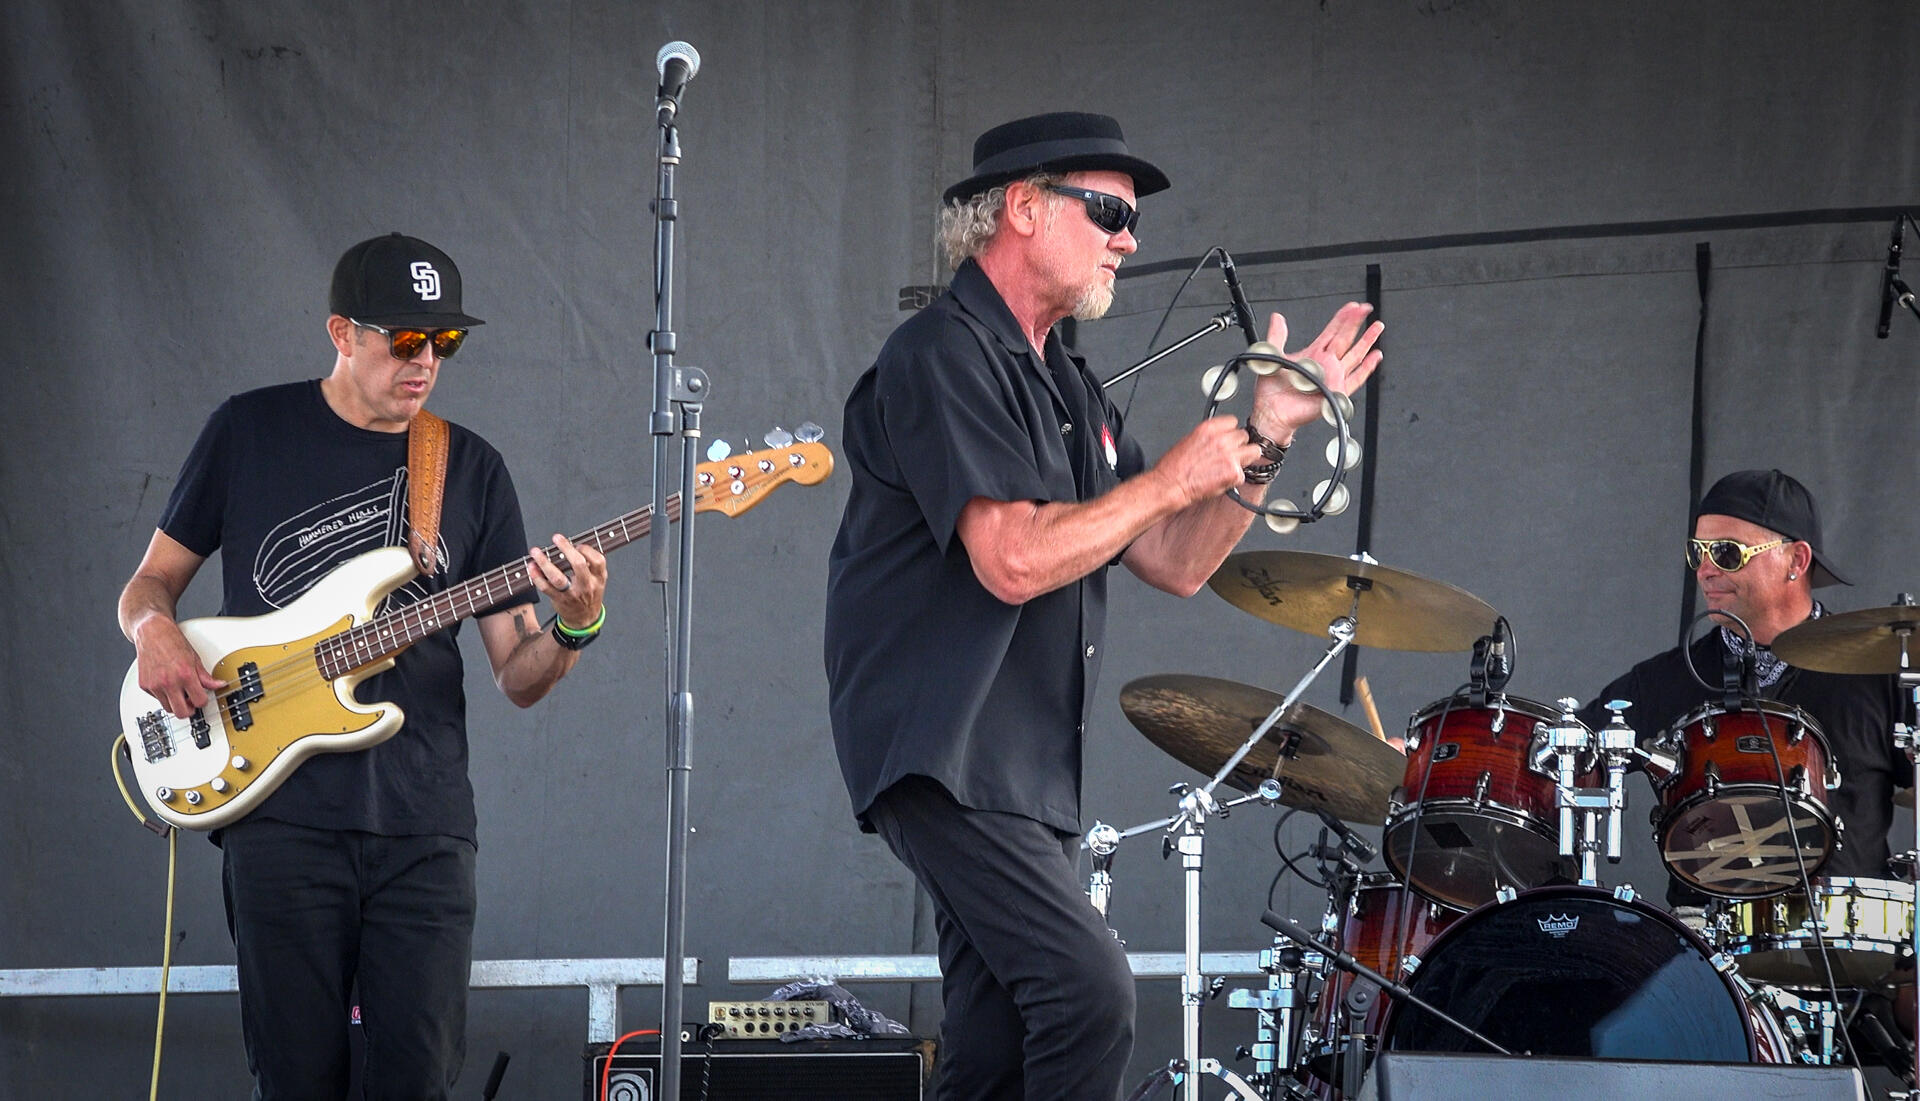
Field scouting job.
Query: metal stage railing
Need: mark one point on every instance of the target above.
(743, 970)
(602, 978)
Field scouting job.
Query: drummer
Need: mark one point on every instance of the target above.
(1756, 553)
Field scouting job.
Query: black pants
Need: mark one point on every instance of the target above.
(312, 912)
(1039, 997)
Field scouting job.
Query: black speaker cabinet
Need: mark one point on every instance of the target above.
(889, 1068)
(1400, 1075)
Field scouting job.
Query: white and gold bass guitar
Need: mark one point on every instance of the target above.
(289, 676)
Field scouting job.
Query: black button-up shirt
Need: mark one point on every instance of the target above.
(931, 674)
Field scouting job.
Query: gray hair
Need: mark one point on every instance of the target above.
(966, 225)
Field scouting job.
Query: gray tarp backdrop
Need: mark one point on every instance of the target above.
(179, 177)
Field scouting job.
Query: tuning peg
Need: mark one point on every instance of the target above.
(778, 437)
(809, 432)
(718, 449)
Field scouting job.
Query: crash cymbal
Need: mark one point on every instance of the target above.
(1328, 762)
(1866, 641)
(1398, 610)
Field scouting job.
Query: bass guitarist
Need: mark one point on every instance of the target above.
(357, 873)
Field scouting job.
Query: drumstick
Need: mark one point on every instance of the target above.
(1366, 700)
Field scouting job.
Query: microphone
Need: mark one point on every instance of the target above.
(677, 62)
(1360, 846)
(1888, 277)
(1499, 660)
(1242, 311)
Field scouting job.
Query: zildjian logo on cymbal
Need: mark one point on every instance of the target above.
(1262, 582)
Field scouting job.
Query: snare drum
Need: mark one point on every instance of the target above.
(1867, 925)
(1473, 815)
(1581, 972)
(1722, 824)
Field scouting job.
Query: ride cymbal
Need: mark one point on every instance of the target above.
(1397, 610)
(1866, 641)
(1322, 760)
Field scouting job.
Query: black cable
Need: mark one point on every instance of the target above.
(1404, 911)
(1815, 918)
(1164, 316)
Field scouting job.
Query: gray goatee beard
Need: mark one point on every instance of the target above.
(1096, 298)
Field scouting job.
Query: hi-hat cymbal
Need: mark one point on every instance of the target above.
(1866, 641)
(1323, 760)
(1397, 610)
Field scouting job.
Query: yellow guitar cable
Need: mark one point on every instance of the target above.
(166, 949)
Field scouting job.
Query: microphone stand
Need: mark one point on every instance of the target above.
(1219, 324)
(678, 395)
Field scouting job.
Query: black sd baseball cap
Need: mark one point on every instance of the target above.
(1777, 502)
(398, 280)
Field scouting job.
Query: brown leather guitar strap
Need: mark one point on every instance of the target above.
(426, 484)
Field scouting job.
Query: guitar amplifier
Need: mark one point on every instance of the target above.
(881, 1068)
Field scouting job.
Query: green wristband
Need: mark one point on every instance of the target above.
(588, 631)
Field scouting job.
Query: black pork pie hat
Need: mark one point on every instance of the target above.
(399, 281)
(1777, 502)
(1064, 141)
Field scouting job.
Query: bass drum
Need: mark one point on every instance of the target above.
(1578, 972)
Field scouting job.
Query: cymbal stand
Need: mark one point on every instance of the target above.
(1103, 841)
(1187, 835)
(1906, 736)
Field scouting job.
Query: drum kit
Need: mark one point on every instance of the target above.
(1490, 930)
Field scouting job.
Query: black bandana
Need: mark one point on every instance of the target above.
(1767, 669)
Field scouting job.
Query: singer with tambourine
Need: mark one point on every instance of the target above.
(993, 486)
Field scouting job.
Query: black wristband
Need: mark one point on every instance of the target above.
(1275, 453)
(569, 641)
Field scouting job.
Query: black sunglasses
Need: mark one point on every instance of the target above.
(1727, 555)
(1109, 212)
(406, 343)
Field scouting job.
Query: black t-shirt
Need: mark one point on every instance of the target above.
(931, 674)
(286, 491)
(1856, 713)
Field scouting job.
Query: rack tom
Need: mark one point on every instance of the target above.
(1724, 823)
(1472, 814)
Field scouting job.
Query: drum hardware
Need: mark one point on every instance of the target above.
(1570, 748)
(1102, 842)
(1811, 1026)
(1280, 1014)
